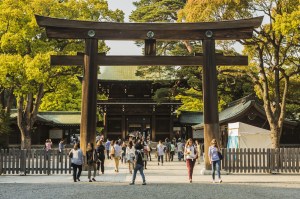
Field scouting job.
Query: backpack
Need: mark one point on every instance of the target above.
(168, 147)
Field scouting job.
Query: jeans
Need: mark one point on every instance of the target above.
(107, 153)
(216, 165)
(180, 155)
(90, 168)
(101, 163)
(140, 168)
(161, 157)
(75, 174)
(190, 163)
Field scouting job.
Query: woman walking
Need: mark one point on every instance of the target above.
(130, 154)
(117, 155)
(191, 154)
(100, 150)
(76, 161)
(91, 158)
(214, 159)
(160, 152)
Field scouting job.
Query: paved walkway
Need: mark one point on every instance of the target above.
(167, 181)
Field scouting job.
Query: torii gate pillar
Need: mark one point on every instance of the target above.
(89, 94)
(210, 96)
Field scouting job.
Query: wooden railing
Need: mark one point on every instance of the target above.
(280, 160)
(16, 161)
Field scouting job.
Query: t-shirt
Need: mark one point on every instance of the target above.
(213, 153)
(191, 152)
(160, 149)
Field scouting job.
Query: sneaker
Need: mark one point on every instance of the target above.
(132, 183)
(213, 181)
(220, 181)
(93, 179)
(78, 179)
(190, 180)
(144, 183)
(90, 181)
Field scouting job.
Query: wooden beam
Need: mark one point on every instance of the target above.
(148, 60)
(163, 35)
(75, 29)
(66, 23)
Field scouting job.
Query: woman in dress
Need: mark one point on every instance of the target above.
(130, 154)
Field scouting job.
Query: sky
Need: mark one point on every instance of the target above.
(123, 47)
(128, 47)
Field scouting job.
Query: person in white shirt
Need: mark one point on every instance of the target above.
(130, 154)
(160, 152)
(117, 155)
(191, 155)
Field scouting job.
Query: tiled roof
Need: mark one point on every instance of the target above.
(62, 117)
(56, 117)
(118, 73)
(191, 118)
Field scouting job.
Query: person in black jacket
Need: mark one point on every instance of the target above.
(139, 163)
(100, 151)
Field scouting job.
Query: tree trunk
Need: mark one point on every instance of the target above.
(25, 141)
(275, 135)
(27, 114)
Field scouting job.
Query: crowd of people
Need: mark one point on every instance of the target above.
(136, 153)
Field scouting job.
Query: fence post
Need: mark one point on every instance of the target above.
(23, 162)
(1, 161)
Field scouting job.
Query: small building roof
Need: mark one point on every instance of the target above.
(62, 117)
(55, 117)
(190, 117)
(118, 73)
(237, 108)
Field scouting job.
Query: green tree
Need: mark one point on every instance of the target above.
(273, 50)
(27, 49)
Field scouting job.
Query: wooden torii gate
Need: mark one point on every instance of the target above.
(91, 32)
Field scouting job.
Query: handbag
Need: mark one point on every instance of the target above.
(71, 154)
(220, 155)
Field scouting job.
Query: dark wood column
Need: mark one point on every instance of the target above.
(123, 126)
(105, 125)
(89, 94)
(171, 126)
(153, 126)
(210, 96)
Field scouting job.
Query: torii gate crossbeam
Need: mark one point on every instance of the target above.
(208, 32)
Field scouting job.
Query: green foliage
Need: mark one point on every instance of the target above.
(4, 122)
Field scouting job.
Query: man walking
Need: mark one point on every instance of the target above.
(139, 163)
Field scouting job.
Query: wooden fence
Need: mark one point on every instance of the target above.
(280, 160)
(16, 161)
